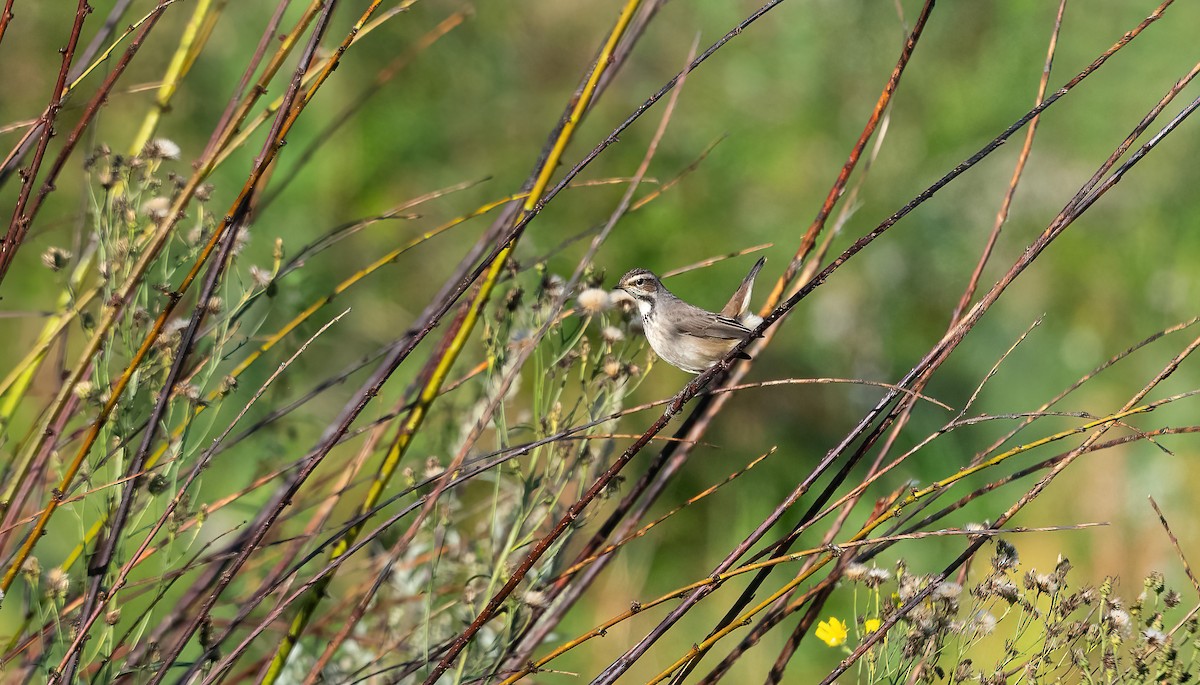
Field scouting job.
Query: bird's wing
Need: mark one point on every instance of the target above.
(703, 324)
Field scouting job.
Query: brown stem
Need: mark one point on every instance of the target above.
(18, 226)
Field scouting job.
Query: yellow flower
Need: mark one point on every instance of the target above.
(871, 624)
(832, 632)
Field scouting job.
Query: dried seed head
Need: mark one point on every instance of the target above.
(1155, 582)
(31, 567)
(1155, 638)
(58, 583)
(1076, 630)
(512, 299)
(195, 235)
(998, 586)
(1062, 567)
(877, 576)
(855, 572)
(612, 368)
(433, 467)
(100, 152)
(536, 598)
(914, 644)
(1171, 599)
(593, 301)
(157, 484)
(241, 240)
(161, 148)
(261, 276)
(187, 391)
(1046, 583)
(908, 588)
(1119, 622)
(174, 326)
(974, 527)
(1005, 557)
(56, 258)
(568, 360)
(947, 590)
(121, 248)
(552, 286)
(157, 208)
(1068, 604)
(84, 390)
(612, 335)
(983, 623)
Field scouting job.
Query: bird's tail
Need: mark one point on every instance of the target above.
(740, 302)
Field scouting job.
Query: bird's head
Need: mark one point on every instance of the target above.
(641, 285)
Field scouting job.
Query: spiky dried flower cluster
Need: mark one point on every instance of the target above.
(871, 576)
(612, 335)
(1067, 634)
(55, 258)
(260, 276)
(593, 301)
(161, 148)
(157, 208)
(58, 584)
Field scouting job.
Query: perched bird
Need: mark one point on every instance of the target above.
(686, 336)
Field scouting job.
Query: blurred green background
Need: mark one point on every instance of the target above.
(789, 96)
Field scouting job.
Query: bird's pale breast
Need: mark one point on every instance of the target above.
(687, 352)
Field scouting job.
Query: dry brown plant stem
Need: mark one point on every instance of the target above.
(18, 226)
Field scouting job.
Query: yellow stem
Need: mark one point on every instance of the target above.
(176, 70)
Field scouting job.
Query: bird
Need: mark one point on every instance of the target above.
(684, 335)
